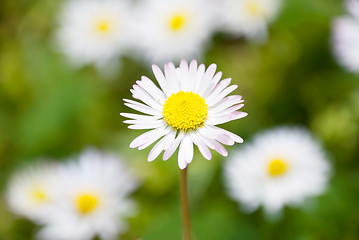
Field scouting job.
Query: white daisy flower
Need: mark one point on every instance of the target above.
(345, 37)
(94, 31)
(281, 167)
(173, 29)
(185, 111)
(248, 18)
(92, 195)
(30, 191)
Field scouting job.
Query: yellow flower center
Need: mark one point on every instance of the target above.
(86, 203)
(103, 26)
(177, 22)
(185, 111)
(277, 167)
(39, 195)
(255, 9)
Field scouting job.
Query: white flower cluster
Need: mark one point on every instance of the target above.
(79, 200)
(345, 37)
(99, 31)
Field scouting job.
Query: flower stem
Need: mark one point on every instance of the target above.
(186, 221)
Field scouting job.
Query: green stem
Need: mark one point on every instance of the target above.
(186, 221)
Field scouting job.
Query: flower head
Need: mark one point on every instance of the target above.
(173, 29)
(30, 191)
(94, 31)
(345, 37)
(281, 167)
(184, 111)
(248, 18)
(91, 196)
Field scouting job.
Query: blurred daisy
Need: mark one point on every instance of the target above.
(185, 111)
(248, 18)
(94, 31)
(173, 29)
(30, 191)
(281, 167)
(345, 37)
(92, 195)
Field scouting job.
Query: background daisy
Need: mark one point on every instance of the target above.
(280, 167)
(185, 111)
(174, 29)
(247, 18)
(94, 31)
(345, 37)
(30, 192)
(91, 199)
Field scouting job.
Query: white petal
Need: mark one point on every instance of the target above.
(193, 67)
(226, 118)
(139, 116)
(213, 144)
(143, 122)
(172, 148)
(225, 139)
(145, 126)
(152, 89)
(150, 136)
(233, 136)
(158, 148)
(226, 111)
(142, 108)
(199, 78)
(222, 94)
(171, 138)
(207, 77)
(217, 90)
(146, 98)
(202, 147)
(161, 79)
(170, 73)
(186, 81)
(226, 103)
(187, 146)
(213, 84)
(181, 162)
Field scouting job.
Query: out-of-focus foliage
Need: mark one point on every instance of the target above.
(48, 108)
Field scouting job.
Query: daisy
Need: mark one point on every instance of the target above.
(94, 31)
(345, 37)
(184, 111)
(30, 191)
(248, 18)
(92, 195)
(281, 167)
(173, 29)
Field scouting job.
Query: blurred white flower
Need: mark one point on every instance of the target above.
(185, 111)
(345, 37)
(281, 167)
(247, 18)
(94, 31)
(91, 197)
(173, 29)
(30, 191)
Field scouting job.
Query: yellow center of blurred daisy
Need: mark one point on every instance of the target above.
(255, 9)
(185, 111)
(177, 22)
(39, 195)
(103, 26)
(277, 167)
(86, 203)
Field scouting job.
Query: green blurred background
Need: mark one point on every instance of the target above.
(48, 108)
